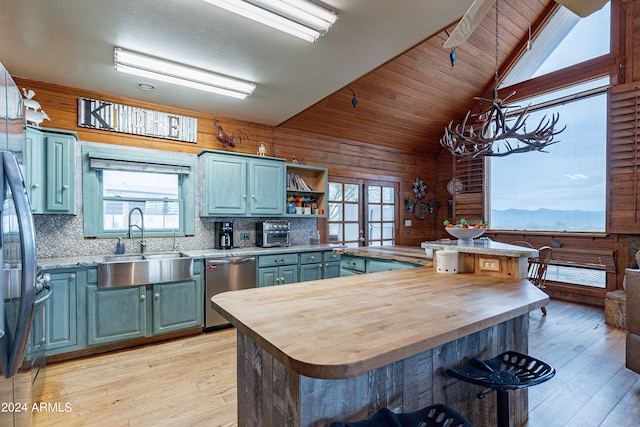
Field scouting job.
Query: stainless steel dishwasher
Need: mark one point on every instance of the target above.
(226, 274)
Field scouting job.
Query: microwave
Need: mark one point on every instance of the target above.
(273, 233)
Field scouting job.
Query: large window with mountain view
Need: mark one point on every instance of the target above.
(563, 188)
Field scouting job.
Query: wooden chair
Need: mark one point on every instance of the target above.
(537, 272)
(538, 266)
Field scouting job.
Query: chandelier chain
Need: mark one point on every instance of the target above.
(497, 1)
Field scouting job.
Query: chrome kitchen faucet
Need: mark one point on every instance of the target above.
(143, 242)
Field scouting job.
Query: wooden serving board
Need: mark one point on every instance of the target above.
(343, 327)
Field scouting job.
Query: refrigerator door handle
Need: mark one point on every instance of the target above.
(42, 284)
(27, 232)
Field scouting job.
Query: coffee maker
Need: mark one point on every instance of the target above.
(224, 235)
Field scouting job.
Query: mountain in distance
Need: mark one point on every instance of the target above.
(548, 220)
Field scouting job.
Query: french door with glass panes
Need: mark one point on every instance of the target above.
(362, 212)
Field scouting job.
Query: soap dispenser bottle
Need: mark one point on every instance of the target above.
(119, 246)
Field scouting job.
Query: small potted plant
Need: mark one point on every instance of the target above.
(408, 203)
(431, 205)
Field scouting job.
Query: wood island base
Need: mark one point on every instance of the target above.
(271, 394)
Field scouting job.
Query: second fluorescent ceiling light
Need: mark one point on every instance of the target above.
(300, 18)
(170, 72)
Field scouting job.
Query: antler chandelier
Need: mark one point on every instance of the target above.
(498, 130)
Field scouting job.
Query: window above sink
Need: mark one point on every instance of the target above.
(116, 180)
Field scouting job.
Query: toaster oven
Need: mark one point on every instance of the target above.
(272, 233)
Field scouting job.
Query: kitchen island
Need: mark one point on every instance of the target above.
(486, 257)
(339, 349)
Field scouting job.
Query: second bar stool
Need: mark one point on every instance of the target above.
(508, 371)
(437, 415)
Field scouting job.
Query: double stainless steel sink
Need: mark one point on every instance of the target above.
(144, 269)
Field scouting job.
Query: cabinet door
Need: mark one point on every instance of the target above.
(288, 274)
(268, 276)
(225, 190)
(310, 272)
(177, 306)
(33, 160)
(61, 311)
(60, 174)
(267, 182)
(115, 314)
(331, 269)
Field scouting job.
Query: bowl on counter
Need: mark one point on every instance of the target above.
(465, 236)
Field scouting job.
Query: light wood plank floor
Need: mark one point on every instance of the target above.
(191, 381)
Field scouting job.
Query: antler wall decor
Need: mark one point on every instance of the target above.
(490, 130)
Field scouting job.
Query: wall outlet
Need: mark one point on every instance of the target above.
(407, 223)
(244, 236)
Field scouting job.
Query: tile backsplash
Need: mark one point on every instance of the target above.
(62, 236)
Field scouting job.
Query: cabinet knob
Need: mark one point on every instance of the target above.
(72, 276)
(253, 196)
(35, 186)
(282, 279)
(244, 196)
(65, 187)
(143, 297)
(313, 258)
(156, 296)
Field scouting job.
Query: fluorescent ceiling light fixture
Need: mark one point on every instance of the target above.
(300, 18)
(170, 72)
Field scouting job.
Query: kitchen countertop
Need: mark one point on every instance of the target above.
(482, 246)
(343, 327)
(93, 260)
(412, 254)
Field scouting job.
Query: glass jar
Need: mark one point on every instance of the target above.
(314, 237)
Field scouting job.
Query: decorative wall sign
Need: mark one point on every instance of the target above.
(113, 117)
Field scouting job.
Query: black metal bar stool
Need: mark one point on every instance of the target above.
(508, 371)
(437, 415)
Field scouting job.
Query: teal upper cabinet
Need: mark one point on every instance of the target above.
(266, 187)
(50, 163)
(235, 184)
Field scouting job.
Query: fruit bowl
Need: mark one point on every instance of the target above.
(465, 236)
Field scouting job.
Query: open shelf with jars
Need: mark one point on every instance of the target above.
(306, 187)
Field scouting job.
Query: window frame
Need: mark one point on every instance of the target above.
(606, 65)
(92, 188)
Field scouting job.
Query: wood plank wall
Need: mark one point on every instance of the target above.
(344, 158)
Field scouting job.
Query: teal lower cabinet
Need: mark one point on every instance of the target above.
(310, 266)
(127, 313)
(352, 265)
(116, 314)
(271, 276)
(330, 265)
(61, 312)
(278, 269)
(177, 306)
(375, 265)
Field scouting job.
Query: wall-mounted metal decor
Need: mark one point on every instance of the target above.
(114, 117)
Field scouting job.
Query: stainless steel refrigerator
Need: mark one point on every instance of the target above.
(21, 294)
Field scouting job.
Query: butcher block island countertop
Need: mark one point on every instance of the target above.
(343, 327)
(350, 328)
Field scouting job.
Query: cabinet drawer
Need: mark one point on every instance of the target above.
(353, 263)
(375, 266)
(276, 260)
(328, 256)
(310, 257)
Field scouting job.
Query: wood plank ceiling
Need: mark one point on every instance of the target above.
(406, 103)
